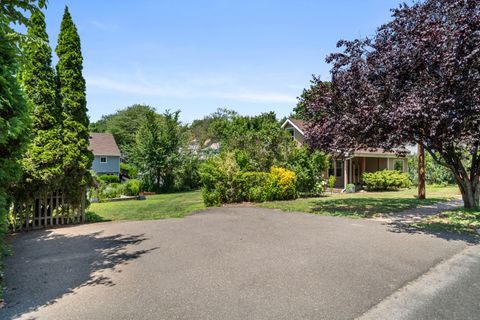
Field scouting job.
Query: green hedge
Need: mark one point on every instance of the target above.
(386, 180)
(109, 178)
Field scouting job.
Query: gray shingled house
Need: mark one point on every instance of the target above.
(106, 153)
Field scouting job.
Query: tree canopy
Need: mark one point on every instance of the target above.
(124, 125)
(415, 81)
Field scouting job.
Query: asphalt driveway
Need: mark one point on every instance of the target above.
(223, 263)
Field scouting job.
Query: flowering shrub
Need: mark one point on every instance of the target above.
(286, 183)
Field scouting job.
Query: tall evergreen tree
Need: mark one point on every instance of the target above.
(77, 159)
(14, 122)
(42, 163)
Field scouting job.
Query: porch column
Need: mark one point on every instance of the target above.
(364, 167)
(345, 173)
(350, 174)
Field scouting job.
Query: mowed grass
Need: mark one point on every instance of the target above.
(174, 205)
(457, 221)
(365, 205)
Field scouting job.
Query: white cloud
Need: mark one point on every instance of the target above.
(104, 26)
(210, 87)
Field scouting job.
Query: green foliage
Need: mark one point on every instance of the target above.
(124, 125)
(109, 178)
(186, 173)
(219, 178)
(331, 182)
(350, 188)
(223, 181)
(435, 173)
(386, 180)
(308, 167)
(77, 159)
(14, 11)
(157, 152)
(258, 186)
(209, 128)
(259, 140)
(14, 119)
(105, 190)
(132, 187)
(42, 163)
(128, 170)
(14, 123)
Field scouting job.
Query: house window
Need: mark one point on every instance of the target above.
(398, 165)
(103, 159)
(339, 168)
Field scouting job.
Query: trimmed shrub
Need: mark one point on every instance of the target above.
(386, 180)
(109, 178)
(132, 187)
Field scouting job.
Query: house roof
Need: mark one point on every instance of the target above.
(300, 126)
(296, 123)
(103, 144)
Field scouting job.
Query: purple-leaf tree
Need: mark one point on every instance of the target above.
(417, 81)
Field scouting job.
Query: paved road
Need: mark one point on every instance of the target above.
(235, 263)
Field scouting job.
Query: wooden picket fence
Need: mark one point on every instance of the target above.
(45, 211)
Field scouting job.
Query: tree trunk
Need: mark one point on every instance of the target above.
(470, 192)
(421, 172)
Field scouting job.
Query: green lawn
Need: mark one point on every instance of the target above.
(364, 205)
(174, 205)
(458, 221)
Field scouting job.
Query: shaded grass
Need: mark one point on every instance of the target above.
(174, 205)
(365, 205)
(457, 221)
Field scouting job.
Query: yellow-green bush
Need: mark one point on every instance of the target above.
(286, 181)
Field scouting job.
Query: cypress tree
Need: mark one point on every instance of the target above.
(77, 159)
(14, 122)
(42, 163)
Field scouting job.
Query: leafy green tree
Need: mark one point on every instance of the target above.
(14, 122)
(308, 166)
(14, 119)
(210, 127)
(124, 125)
(158, 150)
(259, 141)
(77, 159)
(42, 164)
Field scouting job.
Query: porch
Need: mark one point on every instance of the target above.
(350, 170)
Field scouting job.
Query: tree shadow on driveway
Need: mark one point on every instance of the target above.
(46, 265)
(402, 227)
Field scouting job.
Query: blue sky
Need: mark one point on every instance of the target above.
(197, 56)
